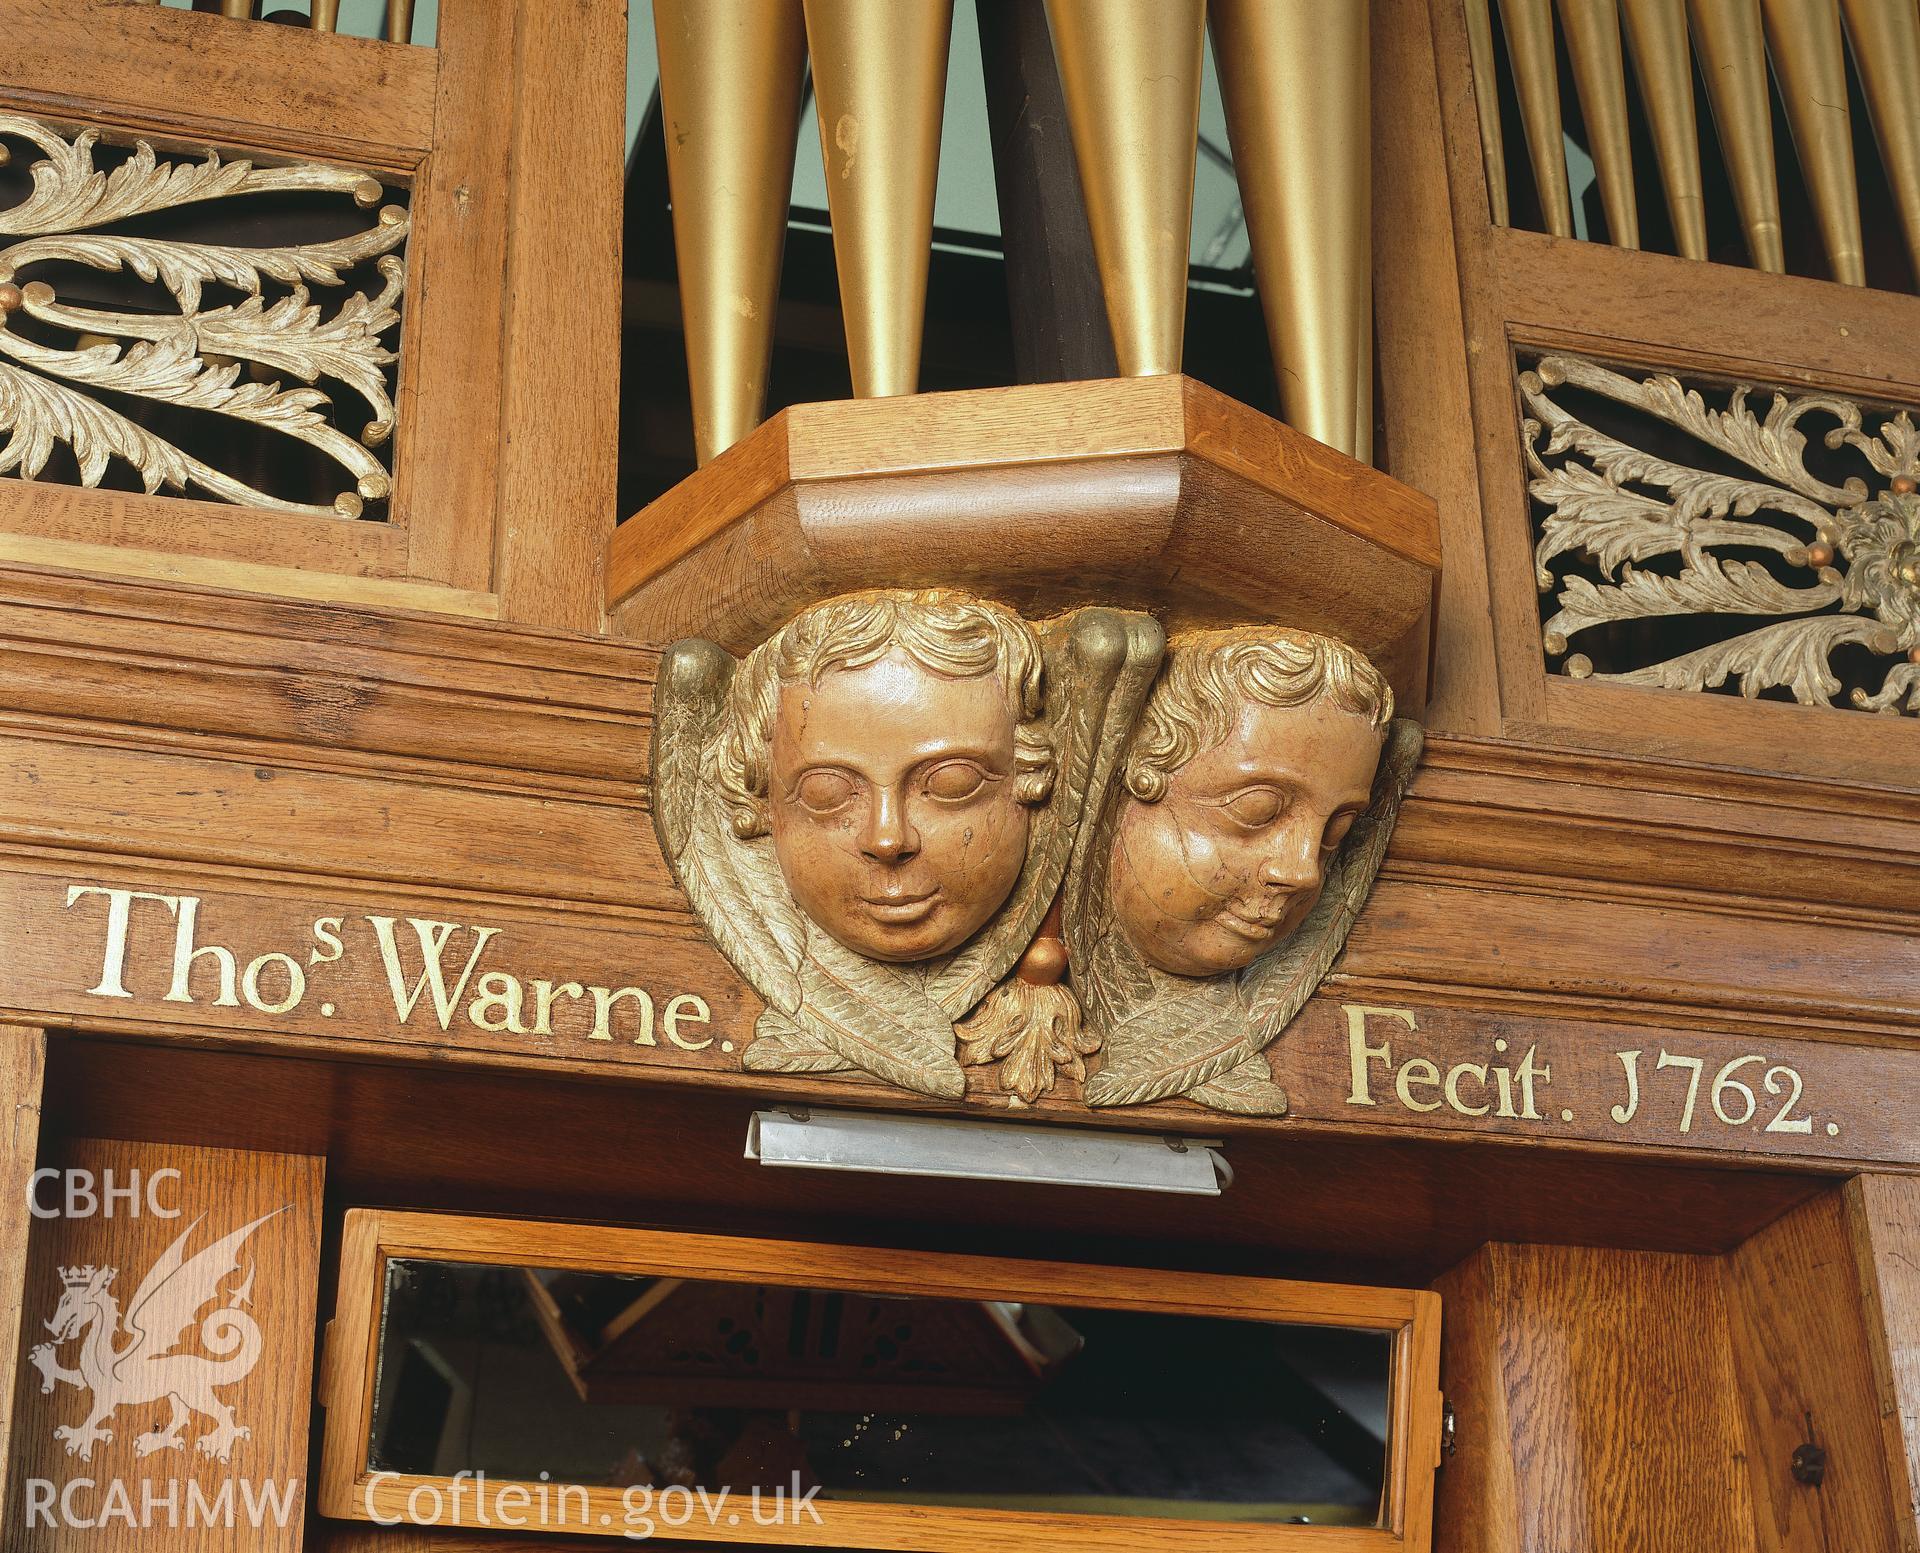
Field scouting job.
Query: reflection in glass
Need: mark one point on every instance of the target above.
(615, 1381)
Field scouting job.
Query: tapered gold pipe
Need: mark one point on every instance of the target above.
(1886, 48)
(399, 21)
(1294, 77)
(239, 10)
(1600, 77)
(1733, 58)
(730, 79)
(325, 16)
(880, 81)
(1130, 74)
(1536, 81)
(1486, 101)
(1657, 39)
(1810, 63)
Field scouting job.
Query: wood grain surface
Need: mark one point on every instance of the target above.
(1616, 1400)
(216, 1192)
(1883, 1227)
(1397, 1207)
(285, 763)
(200, 78)
(23, 1053)
(1047, 496)
(560, 402)
(1597, 1400)
(1802, 1350)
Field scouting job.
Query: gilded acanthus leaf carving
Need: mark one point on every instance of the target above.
(251, 360)
(1795, 566)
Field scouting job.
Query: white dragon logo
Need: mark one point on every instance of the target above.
(144, 1370)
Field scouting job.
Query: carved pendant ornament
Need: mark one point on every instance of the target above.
(939, 839)
(1797, 583)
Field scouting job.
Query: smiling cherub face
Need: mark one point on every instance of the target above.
(891, 744)
(1254, 758)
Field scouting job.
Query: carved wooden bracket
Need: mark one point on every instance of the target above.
(1148, 493)
(876, 808)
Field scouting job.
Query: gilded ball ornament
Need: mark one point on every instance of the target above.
(1044, 963)
(1819, 555)
(11, 296)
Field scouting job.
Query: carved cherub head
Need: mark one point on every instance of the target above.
(1255, 754)
(893, 744)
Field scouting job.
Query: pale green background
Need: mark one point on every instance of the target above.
(965, 199)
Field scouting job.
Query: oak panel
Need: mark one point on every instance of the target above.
(1883, 1224)
(216, 1193)
(447, 434)
(184, 526)
(206, 78)
(1426, 410)
(1801, 1350)
(1606, 1381)
(233, 813)
(1312, 1204)
(559, 406)
(23, 1053)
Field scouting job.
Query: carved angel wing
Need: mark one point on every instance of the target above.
(1184, 1041)
(1100, 664)
(178, 1287)
(831, 1008)
(877, 1020)
(748, 914)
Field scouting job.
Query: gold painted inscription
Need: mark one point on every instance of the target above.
(1655, 1091)
(434, 971)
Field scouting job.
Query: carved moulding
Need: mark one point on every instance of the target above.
(1148, 493)
(935, 837)
(1646, 543)
(66, 360)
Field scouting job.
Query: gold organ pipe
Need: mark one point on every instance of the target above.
(1600, 78)
(730, 78)
(400, 21)
(324, 16)
(1294, 75)
(1733, 58)
(1130, 76)
(239, 10)
(1536, 79)
(1810, 62)
(1486, 100)
(880, 82)
(1886, 48)
(1657, 39)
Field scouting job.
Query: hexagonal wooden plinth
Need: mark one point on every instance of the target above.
(1149, 493)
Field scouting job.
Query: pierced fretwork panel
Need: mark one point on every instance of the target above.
(199, 325)
(1773, 551)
